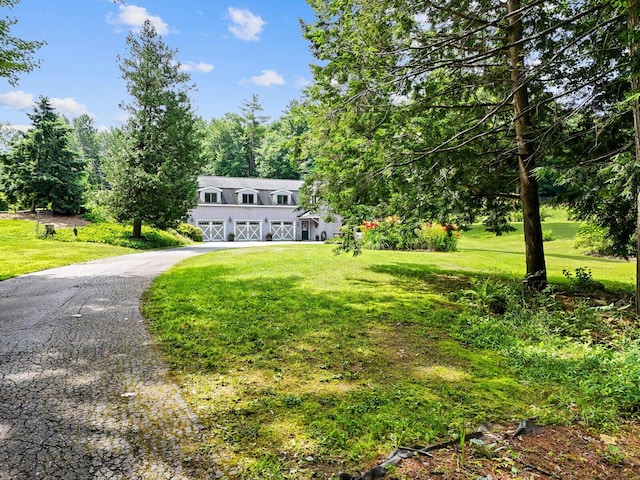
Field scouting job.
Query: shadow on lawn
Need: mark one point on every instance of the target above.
(415, 276)
(336, 369)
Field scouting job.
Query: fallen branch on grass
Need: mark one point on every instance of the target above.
(401, 453)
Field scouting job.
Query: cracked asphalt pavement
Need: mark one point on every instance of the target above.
(84, 394)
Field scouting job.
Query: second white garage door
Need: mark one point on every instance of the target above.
(248, 230)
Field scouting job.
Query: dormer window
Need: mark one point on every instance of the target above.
(247, 196)
(210, 195)
(282, 197)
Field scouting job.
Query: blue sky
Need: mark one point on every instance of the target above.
(231, 48)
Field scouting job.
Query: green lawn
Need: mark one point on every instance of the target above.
(23, 248)
(504, 255)
(291, 352)
(21, 251)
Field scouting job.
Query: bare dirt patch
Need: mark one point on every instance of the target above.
(552, 452)
(47, 217)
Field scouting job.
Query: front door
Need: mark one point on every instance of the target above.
(305, 229)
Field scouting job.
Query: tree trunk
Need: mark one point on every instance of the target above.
(536, 269)
(634, 51)
(137, 228)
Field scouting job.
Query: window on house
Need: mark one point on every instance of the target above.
(248, 198)
(282, 199)
(210, 197)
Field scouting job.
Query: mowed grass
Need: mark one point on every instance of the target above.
(301, 363)
(21, 251)
(504, 256)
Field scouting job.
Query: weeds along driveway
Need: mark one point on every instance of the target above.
(83, 392)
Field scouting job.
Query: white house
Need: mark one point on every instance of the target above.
(253, 208)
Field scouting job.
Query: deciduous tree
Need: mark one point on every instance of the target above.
(89, 143)
(284, 152)
(16, 54)
(224, 147)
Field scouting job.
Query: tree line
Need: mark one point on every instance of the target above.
(146, 170)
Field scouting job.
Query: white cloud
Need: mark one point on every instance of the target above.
(133, 16)
(268, 78)
(200, 67)
(17, 99)
(69, 106)
(245, 25)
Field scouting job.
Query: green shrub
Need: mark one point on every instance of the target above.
(190, 231)
(96, 208)
(518, 215)
(393, 234)
(117, 234)
(98, 214)
(593, 239)
(547, 235)
(437, 238)
(545, 212)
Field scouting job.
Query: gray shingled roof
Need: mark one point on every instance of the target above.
(264, 186)
(238, 183)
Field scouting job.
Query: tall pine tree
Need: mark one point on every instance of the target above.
(44, 168)
(254, 129)
(154, 175)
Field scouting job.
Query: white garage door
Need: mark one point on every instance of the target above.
(212, 230)
(282, 230)
(248, 230)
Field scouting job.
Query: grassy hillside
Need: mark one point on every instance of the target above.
(22, 251)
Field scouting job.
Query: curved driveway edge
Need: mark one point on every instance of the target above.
(84, 394)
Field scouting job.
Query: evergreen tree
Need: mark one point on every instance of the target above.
(448, 107)
(43, 167)
(153, 175)
(253, 122)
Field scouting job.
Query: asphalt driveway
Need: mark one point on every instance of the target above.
(84, 393)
